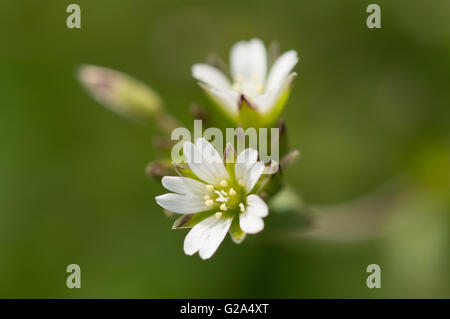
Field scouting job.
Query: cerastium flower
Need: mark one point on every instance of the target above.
(215, 195)
(218, 197)
(250, 83)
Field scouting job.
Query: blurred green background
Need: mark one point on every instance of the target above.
(369, 107)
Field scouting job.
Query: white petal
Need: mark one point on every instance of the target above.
(256, 206)
(212, 158)
(226, 99)
(248, 60)
(210, 76)
(243, 167)
(184, 185)
(206, 236)
(251, 220)
(181, 204)
(194, 239)
(204, 163)
(280, 69)
(250, 223)
(253, 174)
(248, 156)
(194, 159)
(216, 234)
(267, 101)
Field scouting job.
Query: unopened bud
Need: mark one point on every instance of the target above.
(289, 158)
(120, 93)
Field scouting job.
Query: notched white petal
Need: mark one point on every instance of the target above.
(195, 161)
(181, 204)
(280, 69)
(211, 160)
(227, 99)
(216, 235)
(250, 223)
(206, 236)
(256, 206)
(248, 59)
(253, 174)
(194, 239)
(210, 76)
(244, 162)
(267, 101)
(251, 220)
(183, 185)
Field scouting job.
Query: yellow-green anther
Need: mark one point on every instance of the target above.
(223, 183)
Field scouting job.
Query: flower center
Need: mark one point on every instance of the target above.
(228, 197)
(252, 86)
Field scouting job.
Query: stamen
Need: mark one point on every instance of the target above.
(242, 207)
(218, 215)
(206, 197)
(241, 182)
(210, 187)
(209, 202)
(223, 207)
(223, 183)
(221, 198)
(232, 192)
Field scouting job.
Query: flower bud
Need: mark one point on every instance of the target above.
(120, 93)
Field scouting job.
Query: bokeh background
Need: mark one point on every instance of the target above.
(369, 112)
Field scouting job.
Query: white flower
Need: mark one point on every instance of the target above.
(221, 197)
(248, 63)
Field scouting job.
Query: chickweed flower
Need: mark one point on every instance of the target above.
(214, 195)
(218, 197)
(251, 82)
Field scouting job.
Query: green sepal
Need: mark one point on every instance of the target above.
(275, 112)
(248, 113)
(235, 231)
(183, 169)
(190, 220)
(269, 184)
(222, 109)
